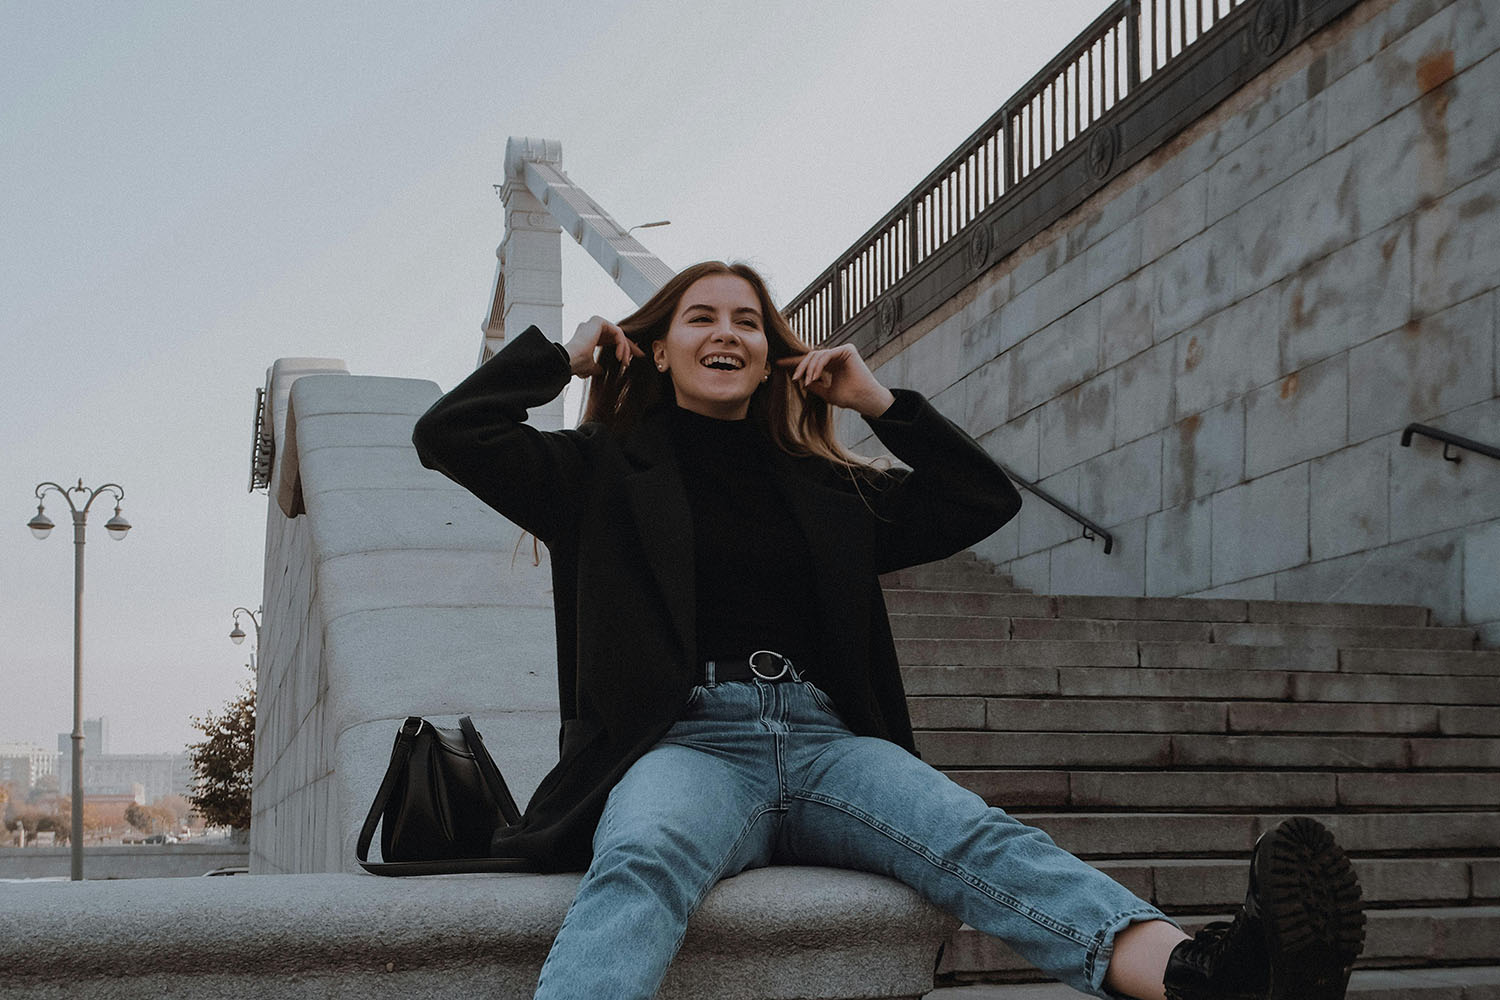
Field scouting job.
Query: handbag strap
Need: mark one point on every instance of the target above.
(406, 738)
(492, 776)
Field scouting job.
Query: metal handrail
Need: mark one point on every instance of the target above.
(1130, 42)
(1450, 440)
(1090, 529)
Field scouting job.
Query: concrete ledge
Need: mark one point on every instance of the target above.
(123, 861)
(813, 933)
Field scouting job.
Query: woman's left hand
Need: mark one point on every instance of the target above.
(840, 376)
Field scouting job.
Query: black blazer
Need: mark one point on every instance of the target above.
(614, 515)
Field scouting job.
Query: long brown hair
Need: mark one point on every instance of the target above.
(797, 421)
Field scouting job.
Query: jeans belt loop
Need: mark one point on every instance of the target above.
(708, 672)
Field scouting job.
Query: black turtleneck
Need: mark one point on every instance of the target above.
(755, 587)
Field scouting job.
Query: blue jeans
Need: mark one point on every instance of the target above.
(756, 773)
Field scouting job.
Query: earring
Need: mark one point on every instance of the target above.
(661, 368)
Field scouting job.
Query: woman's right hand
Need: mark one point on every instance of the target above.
(598, 334)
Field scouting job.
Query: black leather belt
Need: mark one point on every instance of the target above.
(762, 665)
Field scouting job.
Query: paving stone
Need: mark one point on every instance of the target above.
(1070, 714)
(1436, 934)
(1261, 526)
(1080, 564)
(1465, 720)
(1419, 830)
(941, 602)
(979, 680)
(927, 579)
(1204, 790)
(1128, 324)
(1226, 355)
(1143, 682)
(1349, 500)
(1226, 657)
(1485, 878)
(1152, 608)
(1422, 690)
(1195, 280)
(1018, 652)
(1175, 219)
(1323, 613)
(1424, 789)
(1454, 752)
(1054, 359)
(1144, 393)
(1122, 485)
(1262, 751)
(1044, 750)
(1425, 570)
(1298, 417)
(1095, 629)
(1016, 789)
(1347, 637)
(1078, 424)
(954, 627)
(1275, 717)
(986, 404)
(946, 713)
(1354, 294)
(1152, 834)
(1258, 165)
(1176, 539)
(1482, 573)
(1457, 246)
(1015, 444)
(1296, 222)
(1474, 662)
(1427, 368)
(1204, 453)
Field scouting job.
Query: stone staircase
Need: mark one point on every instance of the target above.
(1157, 738)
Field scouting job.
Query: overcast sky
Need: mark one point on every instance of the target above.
(189, 191)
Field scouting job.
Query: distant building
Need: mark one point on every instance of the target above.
(116, 773)
(95, 739)
(24, 764)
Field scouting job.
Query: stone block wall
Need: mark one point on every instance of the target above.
(389, 592)
(1214, 356)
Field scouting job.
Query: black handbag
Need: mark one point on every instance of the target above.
(441, 801)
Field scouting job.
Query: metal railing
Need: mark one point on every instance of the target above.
(1450, 441)
(1091, 530)
(262, 446)
(1127, 44)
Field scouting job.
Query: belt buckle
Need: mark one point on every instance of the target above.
(786, 666)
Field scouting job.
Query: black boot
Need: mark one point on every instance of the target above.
(1295, 938)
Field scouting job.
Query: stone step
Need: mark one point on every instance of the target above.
(1471, 982)
(1221, 610)
(1025, 605)
(970, 651)
(1019, 653)
(1185, 885)
(1101, 629)
(1214, 791)
(1416, 832)
(1199, 685)
(981, 581)
(1405, 936)
(952, 602)
(1142, 716)
(972, 749)
(1344, 636)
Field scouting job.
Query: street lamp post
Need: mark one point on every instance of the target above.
(40, 526)
(237, 634)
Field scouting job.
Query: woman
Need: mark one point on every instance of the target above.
(728, 683)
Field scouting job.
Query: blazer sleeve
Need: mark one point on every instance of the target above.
(954, 496)
(477, 436)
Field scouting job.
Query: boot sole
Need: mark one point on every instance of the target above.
(1310, 901)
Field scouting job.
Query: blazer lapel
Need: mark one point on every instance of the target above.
(659, 505)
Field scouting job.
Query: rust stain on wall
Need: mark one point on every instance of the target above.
(1435, 70)
(1194, 355)
(1289, 386)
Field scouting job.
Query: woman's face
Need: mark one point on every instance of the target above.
(716, 349)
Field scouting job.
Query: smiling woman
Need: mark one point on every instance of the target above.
(728, 683)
